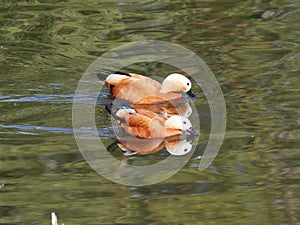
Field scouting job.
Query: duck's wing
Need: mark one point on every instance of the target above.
(137, 126)
(158, 98)
(142, 126)
(133, 90)
(151, 114)
(166, 109)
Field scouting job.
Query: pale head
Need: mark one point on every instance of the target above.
(181, 147)
(176, 83)
(178, 122)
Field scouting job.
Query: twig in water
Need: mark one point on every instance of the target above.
(53, 218)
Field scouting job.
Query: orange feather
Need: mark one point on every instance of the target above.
(138, 89)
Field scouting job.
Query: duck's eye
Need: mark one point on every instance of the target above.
(184, 122)
(185, 149)
(188, 84)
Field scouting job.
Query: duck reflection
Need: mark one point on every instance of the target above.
(143, 131)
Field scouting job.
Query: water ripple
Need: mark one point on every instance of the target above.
(34, 130)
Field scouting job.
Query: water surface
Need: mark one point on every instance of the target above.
(252, 48)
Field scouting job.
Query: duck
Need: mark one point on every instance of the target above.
(145, 124)
(142, 90)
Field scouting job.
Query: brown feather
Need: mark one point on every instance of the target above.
(151, 114)
(177, 108)
(143, 126)
(139, 89)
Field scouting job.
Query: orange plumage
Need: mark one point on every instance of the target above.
(138, 89)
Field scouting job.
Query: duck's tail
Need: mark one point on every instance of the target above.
(113, 147)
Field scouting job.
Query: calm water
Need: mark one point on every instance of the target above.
(253, 47)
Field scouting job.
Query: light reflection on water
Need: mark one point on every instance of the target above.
(252, 47)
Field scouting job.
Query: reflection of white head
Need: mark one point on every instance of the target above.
(178, 122)
(178, 148)
(123, 112)
(175, 83)
(187, 110)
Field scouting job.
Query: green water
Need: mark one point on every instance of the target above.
(253, 48)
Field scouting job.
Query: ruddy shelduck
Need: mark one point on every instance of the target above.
(138, 89)
(145, 132)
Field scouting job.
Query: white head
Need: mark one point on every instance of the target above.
(175, 83)
(178, 148)
(178, 122)
(123, 112)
